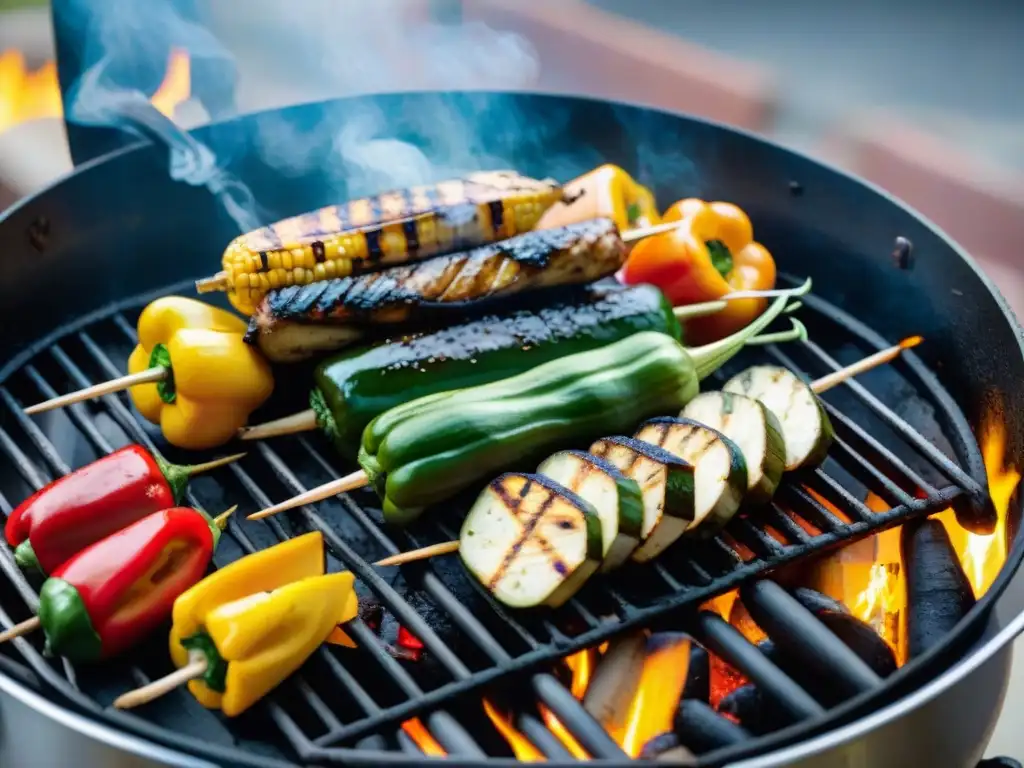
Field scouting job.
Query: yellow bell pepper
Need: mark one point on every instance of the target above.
(257, 620)
(216, 379)
(606, 191)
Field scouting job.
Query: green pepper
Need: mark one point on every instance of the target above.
(354, 387)
(427, 450)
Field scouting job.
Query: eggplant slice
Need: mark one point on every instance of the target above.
(749, 424)
(666, 482)
(720, 472)
(806, 429)
(530, 542)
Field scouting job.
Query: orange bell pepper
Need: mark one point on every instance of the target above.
(711, 254)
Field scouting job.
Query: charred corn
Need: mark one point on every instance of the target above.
(374, 233)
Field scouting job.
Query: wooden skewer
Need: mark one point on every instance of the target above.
(826, 383)
(23, 628)
(217, 282)
(148, 376)
(197, 664)
(358, 479)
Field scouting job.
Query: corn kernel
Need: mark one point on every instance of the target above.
(275, 278)
(319, 273)
(242, 281)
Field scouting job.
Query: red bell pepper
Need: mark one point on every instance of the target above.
(74, 511)
(114, 592)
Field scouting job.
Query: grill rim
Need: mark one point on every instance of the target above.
(1004, 576)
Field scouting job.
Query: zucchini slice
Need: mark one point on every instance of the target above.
(530, 542)
(719, 471)
(666, 482)
(615, 497)
(749, 424)
(806, 428)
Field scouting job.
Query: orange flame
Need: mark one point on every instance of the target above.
(910, 342)
(418, 732)
(524, 751)
(34, 95)
(582, 666)
(657, 694)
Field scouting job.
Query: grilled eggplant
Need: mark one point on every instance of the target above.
(330, 310)
(806, 429)
(720, 473)
(530, 542)
(667, 485)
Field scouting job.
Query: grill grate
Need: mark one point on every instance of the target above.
(341, 704)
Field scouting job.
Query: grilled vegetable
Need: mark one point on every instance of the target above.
(615, 497)
(354, 387)
(61, 519)
(720, 473)
(756, 431)
(113, 593)
(806, 429)
(605, 191)
(378, 232)
(258, 619)
(580, 253)
(713, 253)
(427, 450)
(667, 485)
(216, 380)
(530, 541)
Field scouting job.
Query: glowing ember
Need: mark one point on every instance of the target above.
(910, 342)
(657, 693)
(416, 731)
(33, 95)
(524, 751)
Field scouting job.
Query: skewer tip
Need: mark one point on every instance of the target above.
(218, 282)
(910, 342)
(22, 628)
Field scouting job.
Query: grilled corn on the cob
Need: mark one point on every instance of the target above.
(330, 314)
(374, 233)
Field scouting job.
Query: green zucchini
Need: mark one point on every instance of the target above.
(667, 484)
(530, 542)
(806, 428)
(719, 470)
(749, 424)
(616, 498)
(357, 385)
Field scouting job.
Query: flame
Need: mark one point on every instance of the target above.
(657, 694)
(524, 751)
(418, 732)
(582, 666)
(34, 95)
(910, 342)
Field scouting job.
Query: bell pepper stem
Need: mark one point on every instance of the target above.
(148, 376)
(710, 357)
(797, 333)
(303, 421)
(26, 558)
(147, 693)
(177, 475)
(351, 482)
(22, 628)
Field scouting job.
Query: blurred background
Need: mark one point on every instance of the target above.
(923, 97)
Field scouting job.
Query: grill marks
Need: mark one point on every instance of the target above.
(580, 253)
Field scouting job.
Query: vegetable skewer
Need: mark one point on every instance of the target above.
(191, 373)
(358, 480)
(91, 609)
(353, 387)
(624, 382)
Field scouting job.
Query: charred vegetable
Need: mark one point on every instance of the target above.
(615, 497)
(667, 484)
(806, 429)
(572, 255)
(428, 450)
(530, 541)
(756, 431)
(720, 473)
(355, 387)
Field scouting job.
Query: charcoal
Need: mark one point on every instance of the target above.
(665, 748)
(698, 675)
(817, 602)
(701, 729)
(938, 592)
(749, 707)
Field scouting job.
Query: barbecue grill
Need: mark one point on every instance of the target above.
(120, 230)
